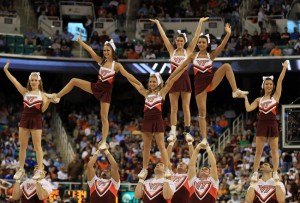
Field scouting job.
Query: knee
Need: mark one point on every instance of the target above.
(161, 146)
(147, 146)
(174, 108)
(73, 81)
(258, 151)
(104, 118)
(227, 66)
(37, 147)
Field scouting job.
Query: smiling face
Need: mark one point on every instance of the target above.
(152, 83)
(34, 82)
(268, 86)
(180, 41)
(202, 43)
(107, 51)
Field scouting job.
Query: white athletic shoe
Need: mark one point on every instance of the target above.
(238, 93)
(189, 137)
(143, 174)
(172, 137)
(19, 174)
(52, 98)
(254, 177)
(39, 174)
(203, 143)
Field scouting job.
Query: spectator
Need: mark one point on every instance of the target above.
(295, 35)
(267, 47)
(150, 54)
(115, 36)
(276, 51)
(94, 37)
(88, 26)
(38, 51)
(132, 54)
(30, 37)
(104, 37)
(297, 47)
(121, 13)
(287, 51)
(138, 48)
(75, 169)
(261, 18)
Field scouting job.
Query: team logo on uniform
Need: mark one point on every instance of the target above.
(30, 98)
(106, 74)
(102, 186)
(151, 98)
(178, 60)
(153, 101)
(153, 189)
(266, 104)
(201, 188)
(202, 62)
(265, 192)
(179, 181)
(29, 190)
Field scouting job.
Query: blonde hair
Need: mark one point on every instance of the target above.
(159, 87)
(29, 88)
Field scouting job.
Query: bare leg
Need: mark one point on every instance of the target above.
(147, 139)
(104, 119)
(75, 82)
(201, 104)
(260, 142)
(274, 152)
(224, 70)
(174, 97)
(23, 137)
(159, 138)
(186, 98)
(37, 143)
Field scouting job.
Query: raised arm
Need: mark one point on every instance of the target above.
(167, 42)
(194, 41)
(127, 75)
(17, 192)
(89, 49)
(251, 192)
(90, 166)
(113, 164)
(218, 50)
(192, 164)
(168, 189)
(14, 81)
(213, 163)
(139, 192)
(40, 191)
(277, 93)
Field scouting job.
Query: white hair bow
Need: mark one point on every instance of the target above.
(35, 73)
(111, 43)
(207, 35)
(157, 75)
(266, 77)
(184, 34)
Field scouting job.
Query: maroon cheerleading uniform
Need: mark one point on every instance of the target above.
(267, 125)
(153, 121)
(31, 117)
(265, 192)
(203, 73)
(182, 193)
(29, 194)
(203, 190)
(183, 84)
(102, 89)
(153, 191)
(103, 190)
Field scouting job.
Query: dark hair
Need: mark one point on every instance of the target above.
(208, 49)
(114, 55)
(185, 44)
(262, 92)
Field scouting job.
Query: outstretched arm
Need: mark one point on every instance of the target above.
(89, 49)
(46, 103)
(223, 43)
(90, 166)
(194, 41)
(212, 162)
(192, 164)
(113, 164)
(127, 75)
(277, 93)
(167, 42)
(16, 83)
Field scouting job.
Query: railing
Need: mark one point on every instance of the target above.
(223, 140)
(50, 25)
(238, 124)
(69, 8)
(63, 143)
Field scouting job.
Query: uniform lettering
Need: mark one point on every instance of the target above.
(176, 179)
(265, 188)
(202, 62)
(31, 98)
(104, 72)
(202, 185)
(154, 186)
(266, 104)
(101, 183)
(178, 60)
(150, 98)
(30, 186)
